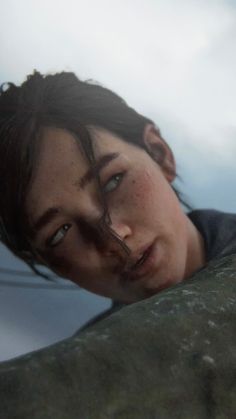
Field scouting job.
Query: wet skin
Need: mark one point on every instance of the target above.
(144, 213)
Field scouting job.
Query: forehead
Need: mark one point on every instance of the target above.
(66, 147)
(61, 163)
(58, 150)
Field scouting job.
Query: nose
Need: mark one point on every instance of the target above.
(102, 230)
(121, 230)
(116, 238)
(113, 237)
(107, 230)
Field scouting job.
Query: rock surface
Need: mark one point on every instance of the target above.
(171, 356)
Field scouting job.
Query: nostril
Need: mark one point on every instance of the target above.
(116, 243)
(122, 231)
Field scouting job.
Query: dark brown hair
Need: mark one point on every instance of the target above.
(62, 101)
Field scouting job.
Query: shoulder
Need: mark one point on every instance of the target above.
(218, 230)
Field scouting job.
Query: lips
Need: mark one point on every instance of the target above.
(142, 265)
(141, 260)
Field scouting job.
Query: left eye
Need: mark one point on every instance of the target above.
(113, 182)
(58, 236)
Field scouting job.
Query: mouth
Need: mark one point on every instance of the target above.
(142, 266)
(141, 260)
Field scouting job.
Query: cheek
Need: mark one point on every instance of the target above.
(58, 263)
(142, 191)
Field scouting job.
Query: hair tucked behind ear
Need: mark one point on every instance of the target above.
(62, 101)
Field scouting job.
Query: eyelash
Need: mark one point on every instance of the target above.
(120, 177)
(65, 227)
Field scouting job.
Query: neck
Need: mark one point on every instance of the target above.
(196, 258)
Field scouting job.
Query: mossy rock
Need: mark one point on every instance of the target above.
(170, 356)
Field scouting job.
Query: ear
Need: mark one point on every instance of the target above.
(159, 150)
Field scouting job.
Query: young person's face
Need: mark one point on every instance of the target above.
(64, 208)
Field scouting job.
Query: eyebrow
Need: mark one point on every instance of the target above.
(47, 216)
(96, 168)
(44, 219)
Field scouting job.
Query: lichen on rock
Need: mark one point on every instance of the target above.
(170, 356)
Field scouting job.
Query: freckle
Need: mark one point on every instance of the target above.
(133, 181)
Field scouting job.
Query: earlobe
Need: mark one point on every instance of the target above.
(159, 150)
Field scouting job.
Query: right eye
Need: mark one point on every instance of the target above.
(57, 237)
(113, 182)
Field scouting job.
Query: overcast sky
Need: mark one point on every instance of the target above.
(174, 61)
